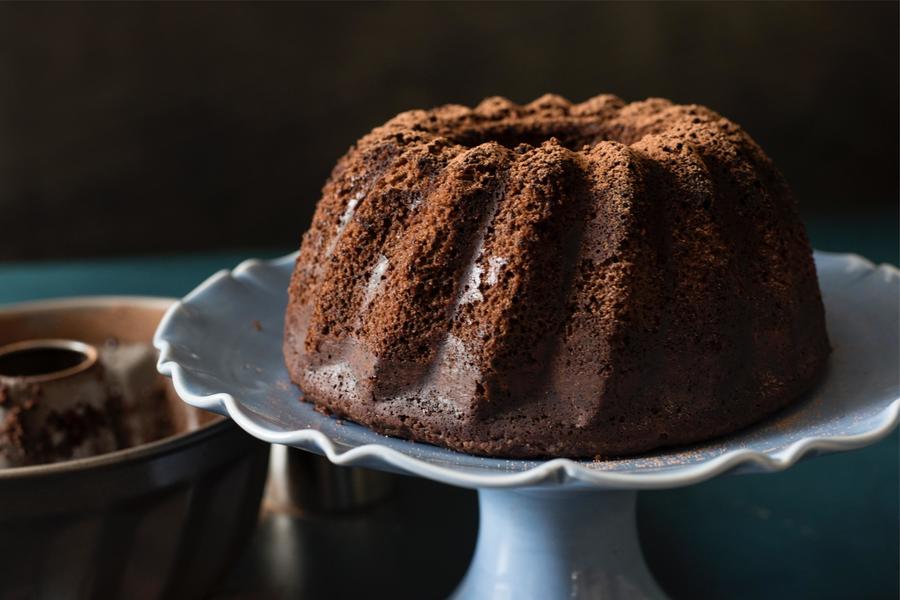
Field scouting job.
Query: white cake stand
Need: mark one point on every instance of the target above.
(549, 529)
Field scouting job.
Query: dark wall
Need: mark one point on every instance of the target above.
(167, 127)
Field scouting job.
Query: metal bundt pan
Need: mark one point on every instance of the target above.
(159, 520)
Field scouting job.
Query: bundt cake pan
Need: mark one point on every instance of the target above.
(158, 520)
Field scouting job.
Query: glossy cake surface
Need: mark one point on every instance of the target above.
(555, 279)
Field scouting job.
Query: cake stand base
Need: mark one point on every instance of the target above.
(557, 544)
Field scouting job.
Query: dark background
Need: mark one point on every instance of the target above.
(157, 128)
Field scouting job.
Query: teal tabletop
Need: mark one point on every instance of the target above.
(826, 528)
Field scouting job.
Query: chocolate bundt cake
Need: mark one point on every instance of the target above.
(555, 279)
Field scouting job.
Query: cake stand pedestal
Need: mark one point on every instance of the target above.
(549, 529)
(557, 544)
